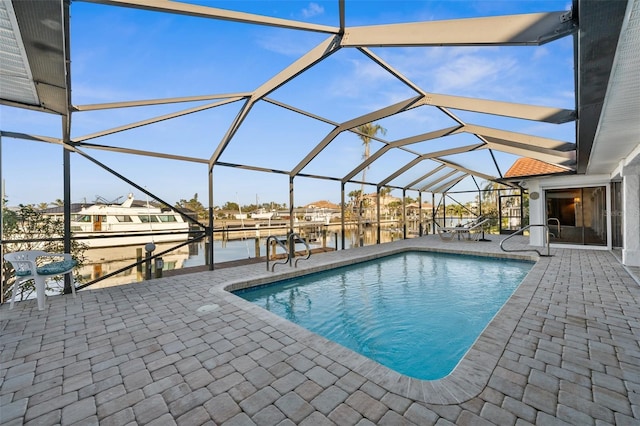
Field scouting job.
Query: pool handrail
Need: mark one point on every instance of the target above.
(281, 243)
(531, 249)
(292, 240)
(557, 222)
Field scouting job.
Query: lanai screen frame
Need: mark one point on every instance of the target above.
(533, 29)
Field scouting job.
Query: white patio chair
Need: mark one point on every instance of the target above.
(474, 232)
(26, 267)
(445, 234)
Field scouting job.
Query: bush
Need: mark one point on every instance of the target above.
(29, 229)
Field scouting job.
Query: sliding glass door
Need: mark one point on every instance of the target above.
(577, 216)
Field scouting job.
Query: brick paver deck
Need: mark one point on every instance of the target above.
(565, 349)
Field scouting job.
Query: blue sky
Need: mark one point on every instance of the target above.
(121, 54)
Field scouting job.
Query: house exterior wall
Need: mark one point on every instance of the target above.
(631, 207)
(631, 218)
(537, 207)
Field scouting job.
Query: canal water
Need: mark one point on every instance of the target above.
(104, 261)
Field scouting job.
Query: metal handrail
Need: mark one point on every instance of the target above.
(279, 242)
(292, 238)
(524, 229)
(557, 224)
(290, 250)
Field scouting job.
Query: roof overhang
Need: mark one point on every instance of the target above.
(33, 54)
(618, 131)
(600, 25)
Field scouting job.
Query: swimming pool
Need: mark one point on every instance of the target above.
(414, 312)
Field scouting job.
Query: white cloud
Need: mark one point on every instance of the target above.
(369, 71)
(471, 73)
(314, 9)
(540, 52)
(282, 44)
(362, 75)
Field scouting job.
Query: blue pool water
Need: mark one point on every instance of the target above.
(416, 312)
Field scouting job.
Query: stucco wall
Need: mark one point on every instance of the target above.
(631, 216)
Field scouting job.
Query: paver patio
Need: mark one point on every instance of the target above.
(565, 349)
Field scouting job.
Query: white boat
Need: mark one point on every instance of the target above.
(262, 214)
(321, 215)
(133, 224)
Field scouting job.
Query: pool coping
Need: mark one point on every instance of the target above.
(466, 381)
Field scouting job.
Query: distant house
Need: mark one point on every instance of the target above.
(413, 209)
(322, 204)
(387, 204)
(321, 211)
(372, 200)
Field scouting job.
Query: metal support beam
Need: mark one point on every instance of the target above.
(209, 259)
(138, 187)
(292, 245)
(66, 184)
(420, 228)
(66, 153)
(396, 144)
(404, 214)
(505, 109)
(433, 212)
(342, 219)
(233, 128)
(347, 125)
(164, 101)
(426, 175)
(323, 50)
(154, 120)
(456, 166)
(2, 280)
(378, 215)
(440, 179)
(533, 29)
(450, 184)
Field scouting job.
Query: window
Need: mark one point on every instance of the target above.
(81, 218)
(148, 218)
(167, 218)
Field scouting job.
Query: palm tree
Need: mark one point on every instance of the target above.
(456, 210)
(367, 132)
(384, 192)
(490, 196)
(490, 192)
(354, 196)
(193, 205)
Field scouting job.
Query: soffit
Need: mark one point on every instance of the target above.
(600, 24)
(15, 76)
(619, 127)
(33, 55)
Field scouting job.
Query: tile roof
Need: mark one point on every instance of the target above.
(530, 167)
(322, 204)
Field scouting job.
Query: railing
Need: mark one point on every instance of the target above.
(289, 249)
(531, 249)
(551, 219)
(281, 243)
(293, 237)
